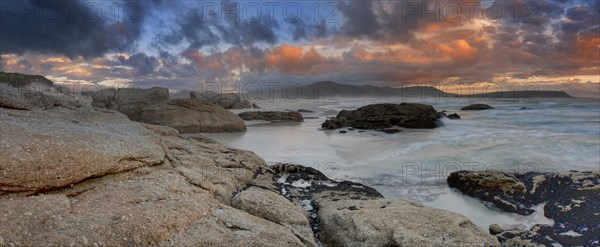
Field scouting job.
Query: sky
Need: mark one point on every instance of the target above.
(455, 44)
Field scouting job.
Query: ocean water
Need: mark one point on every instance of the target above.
(549, 135)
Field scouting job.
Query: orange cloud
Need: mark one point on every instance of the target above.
(293, 59)
(588, 50)
(458, 50)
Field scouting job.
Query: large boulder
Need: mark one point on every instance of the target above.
(242, 105)
(26, 92)
(385, 222)
(382, 116)
(129, 101)
(276, 208)
(160, 208)
(30, 82)
(570, 200)
(43, 150)
(24, 99)
(225, 100)
(273, 116)
(344, 213)
(191, 116)
(92, 177)
(477, 107)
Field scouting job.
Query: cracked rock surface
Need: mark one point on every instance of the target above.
(91, 177)
(85, 176)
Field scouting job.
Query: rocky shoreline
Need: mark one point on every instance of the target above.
(89, 176)
(75, 172)
(571, 200)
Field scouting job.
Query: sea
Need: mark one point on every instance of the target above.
(518, 135)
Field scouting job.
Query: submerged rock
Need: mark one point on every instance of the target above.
(382, 116)
(453, 116)
(390, 131)
(442, 114)
(273, 116)
(477, 107)
(571, 201)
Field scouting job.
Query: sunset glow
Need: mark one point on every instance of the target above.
(182, 44)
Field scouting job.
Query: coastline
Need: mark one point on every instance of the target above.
(82, 175)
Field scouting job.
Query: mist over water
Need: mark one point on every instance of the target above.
(548, 135)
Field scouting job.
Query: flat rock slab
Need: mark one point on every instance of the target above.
(42, 150)
(159, 209)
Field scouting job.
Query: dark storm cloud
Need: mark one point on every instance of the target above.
(303, 31)
(360, 19)
(389, 21)
(200, 30)
(143, 64)
(72, 28)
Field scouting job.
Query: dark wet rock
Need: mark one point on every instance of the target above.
(273, 116)
(382, 116)
(442, 114)
(477, 107)
(345, 213)
(571, 201)
(523, 108)
(255, 106)
(453, 116)
(495, 229)
(343, 132)
(390, 131)
(351, 129)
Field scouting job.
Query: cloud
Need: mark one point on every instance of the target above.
(73, 28)
(378, 42)
(141, 62)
